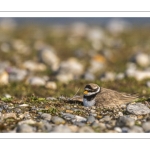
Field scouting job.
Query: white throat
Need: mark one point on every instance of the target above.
(87, 103)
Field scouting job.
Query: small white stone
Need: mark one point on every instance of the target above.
(51, 85)
(36, 81)
(49, 57)
(142, 59)
(108, 76)
(33, 66)
(117, 129)
(24, 105)
(64, 78)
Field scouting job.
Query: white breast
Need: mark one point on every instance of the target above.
(88, 103)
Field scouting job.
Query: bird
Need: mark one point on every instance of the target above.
(94, 95)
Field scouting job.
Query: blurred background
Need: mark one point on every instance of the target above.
(52, 53)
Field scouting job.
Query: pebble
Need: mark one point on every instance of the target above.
(139, 75)
(24, 105)
(90, 119)
(118, 129)
(57, 120)
(89, 76)
(86, 129)
(29, 121)
(7, 96)
(61, 129)
(9, 115)
(105, 119)
(95, 124)
(80, 124)
(25, 128)
(69, 111)
(135, 129)
(111, 124)
(36, 81)
(48, 56)
(125, 121)
(65, 77)
(79, 119)
(16, 74)
(72, 66)
(102, 126)
(146, 126)
(108, 76)
(46, 116)
(34, 66)
(51, 85)
(73, 128)
(138, 109)
(142, 59)
(46, 126)
(125, 130)
(67, 116)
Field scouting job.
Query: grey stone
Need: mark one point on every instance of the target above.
(89, 76)
(25, 128)
(111, 124)
(90, 119)
(16, 74)
(46, 126)
(95, 124)
(105, 119)
(46, 116)
(86, 129)
(67, 116)
(138, 109)
(135, 129)
(146, 126)
(125, 130)
(57, 120)
(125, 121)
(80, 124)
(61, 129)
(38, 81)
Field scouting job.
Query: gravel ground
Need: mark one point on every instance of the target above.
(43, 71)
